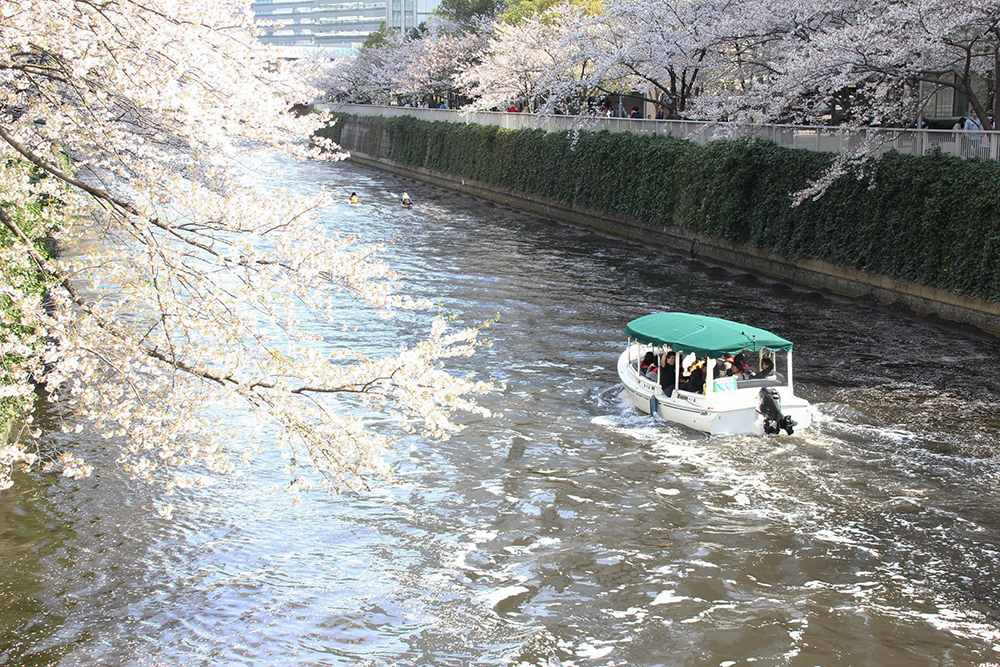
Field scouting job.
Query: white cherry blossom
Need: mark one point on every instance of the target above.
(179, 295)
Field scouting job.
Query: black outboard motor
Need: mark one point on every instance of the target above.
(769, 406)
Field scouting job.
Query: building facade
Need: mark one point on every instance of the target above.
(407, 14)
(317, 27)
(332, 29)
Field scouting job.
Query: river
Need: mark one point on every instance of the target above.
(569, 530)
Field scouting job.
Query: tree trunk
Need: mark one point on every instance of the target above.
(996, 90)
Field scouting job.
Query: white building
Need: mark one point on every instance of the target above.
(333, 28)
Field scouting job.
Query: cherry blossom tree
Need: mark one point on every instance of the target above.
(415, 68)
(867, 64)
(370, 75)
(433, 62)
(851, 63)
(182, 295)
(856, 64)
(860, 63)
(651, 48)
(542, 62)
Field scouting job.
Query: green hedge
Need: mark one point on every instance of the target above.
(933, 219)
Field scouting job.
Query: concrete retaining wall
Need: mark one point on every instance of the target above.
(815, 274)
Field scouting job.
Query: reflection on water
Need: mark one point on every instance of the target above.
(572, 530)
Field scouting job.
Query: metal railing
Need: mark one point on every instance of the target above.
(815, 138)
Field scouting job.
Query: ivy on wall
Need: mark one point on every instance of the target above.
(20, 280)
(933, 219)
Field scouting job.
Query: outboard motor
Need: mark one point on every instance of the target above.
(769, 406)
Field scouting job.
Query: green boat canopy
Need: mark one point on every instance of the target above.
(702, 335)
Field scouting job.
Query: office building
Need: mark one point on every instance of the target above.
(300, 28)
(407, 14)
(323, 28)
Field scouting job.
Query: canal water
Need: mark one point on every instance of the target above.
(570, 529)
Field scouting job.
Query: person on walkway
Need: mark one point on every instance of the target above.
(975, 139)
(972, 123)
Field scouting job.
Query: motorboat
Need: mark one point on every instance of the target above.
(762, 403)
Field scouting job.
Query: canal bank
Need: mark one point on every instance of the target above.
(371, 147)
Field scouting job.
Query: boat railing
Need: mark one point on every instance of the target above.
(633, 366)
(645, 380)
(689, 396)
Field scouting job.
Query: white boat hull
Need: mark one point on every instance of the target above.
(720, 412)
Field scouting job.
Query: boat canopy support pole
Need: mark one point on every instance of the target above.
(679, 366)
(791, 388)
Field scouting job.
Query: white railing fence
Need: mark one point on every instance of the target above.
(816, 138)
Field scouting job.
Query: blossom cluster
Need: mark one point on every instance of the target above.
(179, 292)
(844, 62)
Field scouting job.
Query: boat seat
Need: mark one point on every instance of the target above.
(759, 382)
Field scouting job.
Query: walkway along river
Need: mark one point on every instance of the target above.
(571, 530)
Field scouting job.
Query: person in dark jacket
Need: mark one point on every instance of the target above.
(696, 380)
(766, 369)
(668, 371)
(648, 366)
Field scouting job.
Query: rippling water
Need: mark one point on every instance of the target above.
(571, 530)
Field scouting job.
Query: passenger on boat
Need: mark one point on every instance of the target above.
(696, 380)
(648, 366)
(766, 369)
(405, 200)
(354, 198)
(668, 371)
(740, 369)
